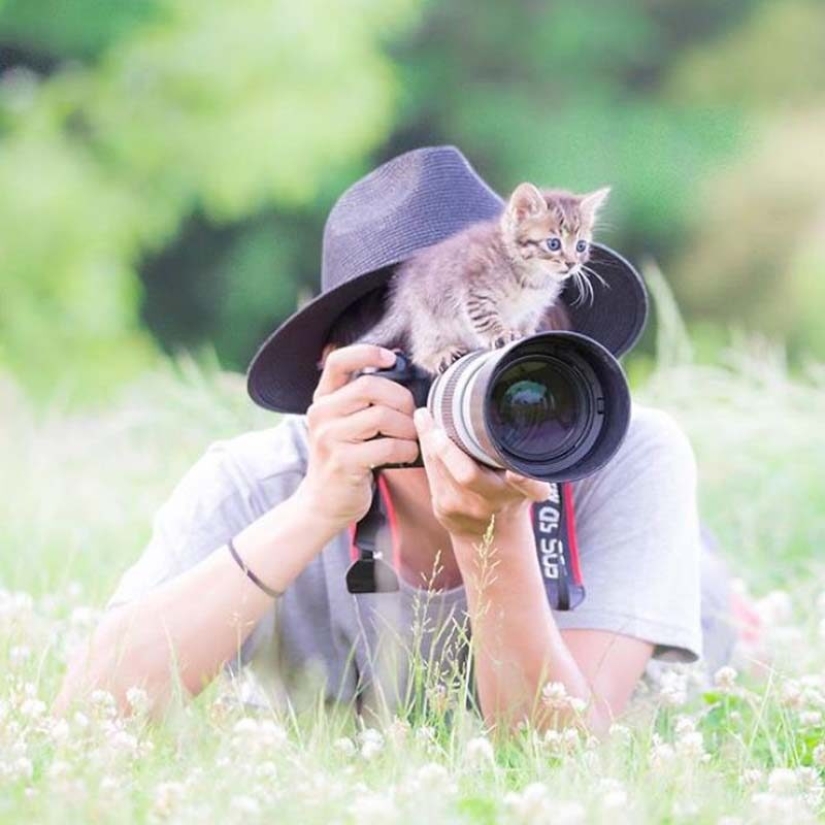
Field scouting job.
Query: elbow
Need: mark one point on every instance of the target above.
(107, 662)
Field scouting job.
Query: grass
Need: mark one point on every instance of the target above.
(76, 501)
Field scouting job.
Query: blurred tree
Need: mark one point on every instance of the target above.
(222, 109)
(754, 253)
(168, 164)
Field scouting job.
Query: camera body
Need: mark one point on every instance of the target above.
(554, 406)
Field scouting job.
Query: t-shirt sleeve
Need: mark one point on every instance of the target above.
(639, 541)
(232, 484)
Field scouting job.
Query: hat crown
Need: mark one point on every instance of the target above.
(410, 202)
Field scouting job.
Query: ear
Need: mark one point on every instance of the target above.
(526, 201)
(592, 202)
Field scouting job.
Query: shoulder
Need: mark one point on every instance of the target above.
(256, 465)
(652, 429)
(654, 442)
(262, 454)
(655, 461)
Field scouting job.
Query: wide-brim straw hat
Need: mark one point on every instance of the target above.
(410, 202)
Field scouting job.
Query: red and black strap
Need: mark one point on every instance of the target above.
(554, 528)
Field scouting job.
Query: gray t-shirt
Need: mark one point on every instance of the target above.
(645, 568)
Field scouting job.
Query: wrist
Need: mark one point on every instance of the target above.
(510, 531)
(318, 511)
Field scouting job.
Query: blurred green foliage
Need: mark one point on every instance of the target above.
(166, 165)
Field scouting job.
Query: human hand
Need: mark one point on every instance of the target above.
(466, 494)
(355, 426)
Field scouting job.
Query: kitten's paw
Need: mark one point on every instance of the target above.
(439, 361)
(506, 337)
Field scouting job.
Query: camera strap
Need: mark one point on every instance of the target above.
(554, 529)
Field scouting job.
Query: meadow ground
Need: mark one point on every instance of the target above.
(76, 501)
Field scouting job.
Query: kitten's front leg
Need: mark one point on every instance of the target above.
(506, 337)
(488, 324)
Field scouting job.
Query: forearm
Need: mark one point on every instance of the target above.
(517, 645)
(187, 628)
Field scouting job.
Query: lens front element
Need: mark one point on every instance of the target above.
(535, 410)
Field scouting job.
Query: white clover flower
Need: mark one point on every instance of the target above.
(167, 797)
(59, 769)
(80, 720)
(124, 742)
(620, 732)
(775, 609)
(372, 743)
(810, 786)
(19, 654)
(138, 700)
(813, 697)
(770, 808)
(554, 695)
(691, 746)
(662, 755)
(751, 777)
(673, 688)
(571, 738)
(433, 775)
(783, 781)
(397, 732)
(685, 809)
(725, 679)
(32, 708)
(369, 750)
(374, 807)
(426, 734)
(22, 768)
(266, 770)
(109, 784)
(613, 794)
(271, 735)
(345, 746)
(684, 724)
(790, 694)
(245, 727)
(438, 698)
(84, 618)
(103, 702)
(246, 805)
(479, 752)
(532, 805)
(59, 731)
(810, 718)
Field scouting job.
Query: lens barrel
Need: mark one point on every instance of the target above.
(553, 406)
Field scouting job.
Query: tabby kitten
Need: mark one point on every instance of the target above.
(492, 282)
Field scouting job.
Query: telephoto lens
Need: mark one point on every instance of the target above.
(553, 406)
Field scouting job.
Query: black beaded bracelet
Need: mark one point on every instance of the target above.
(268, 590)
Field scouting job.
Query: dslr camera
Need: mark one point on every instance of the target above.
(554, 406)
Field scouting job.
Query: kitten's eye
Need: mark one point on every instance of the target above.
(553, 244)
(581, 247)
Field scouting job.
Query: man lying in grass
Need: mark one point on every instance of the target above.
(248, 558)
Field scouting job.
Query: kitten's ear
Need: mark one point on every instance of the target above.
(526, 201)
(592, 202)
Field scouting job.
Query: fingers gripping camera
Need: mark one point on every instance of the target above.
(554, 406)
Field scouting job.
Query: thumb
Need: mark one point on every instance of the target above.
(530, 488)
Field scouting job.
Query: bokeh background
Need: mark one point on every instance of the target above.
(166, 165)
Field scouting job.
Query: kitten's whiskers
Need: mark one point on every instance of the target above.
(583, 285)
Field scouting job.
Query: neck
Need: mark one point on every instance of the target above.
(425, 548)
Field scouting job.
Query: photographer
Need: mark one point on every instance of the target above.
(287, 498)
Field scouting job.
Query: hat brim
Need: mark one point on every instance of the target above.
(284, 372)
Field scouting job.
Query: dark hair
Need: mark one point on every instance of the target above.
(357, 318)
